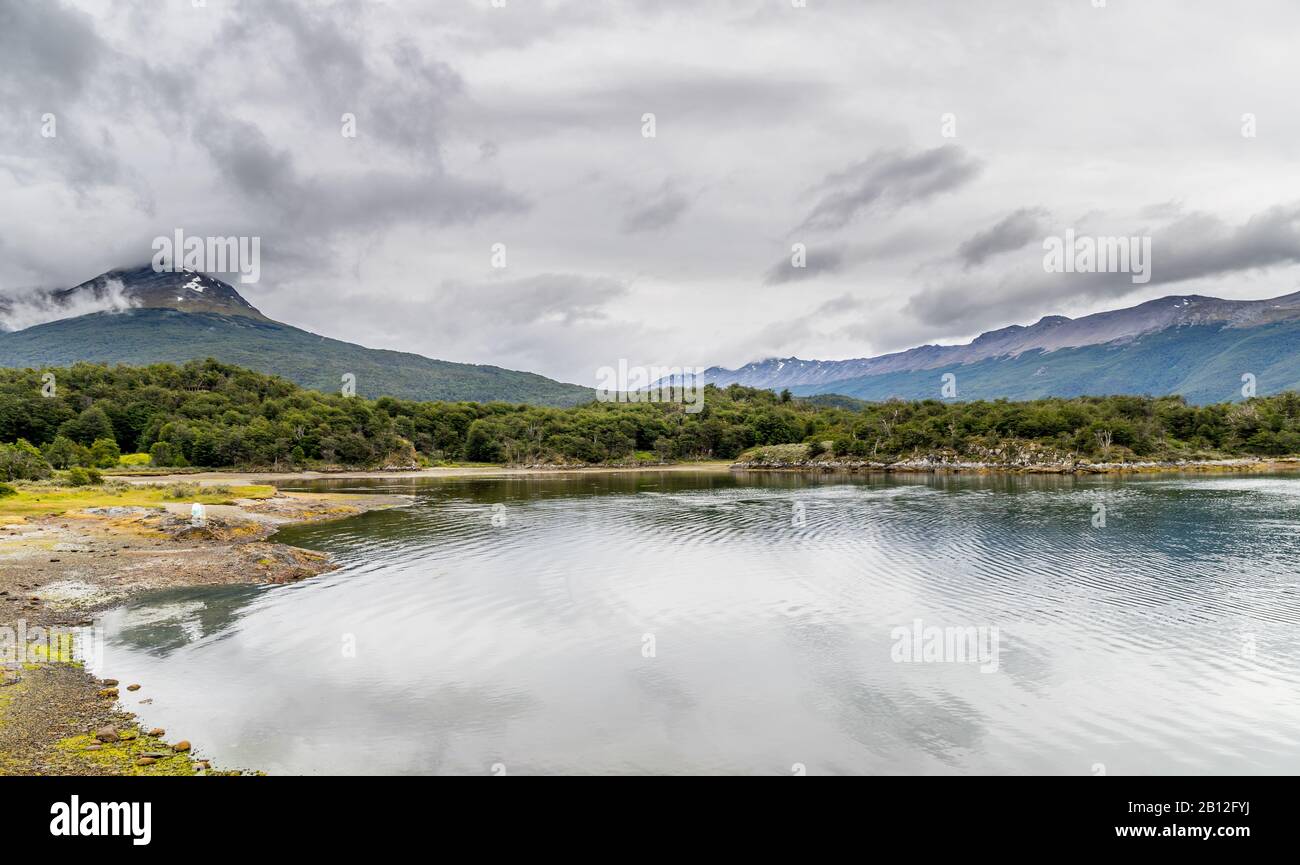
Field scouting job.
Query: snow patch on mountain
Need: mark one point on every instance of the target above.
(1048, 334)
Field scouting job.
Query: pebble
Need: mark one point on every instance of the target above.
(157, 731)
(108, 683)
(106, 734)
(133, 687)
(182, 745)
(145, 761)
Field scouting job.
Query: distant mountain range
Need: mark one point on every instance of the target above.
(138, 316)
(1198, 347)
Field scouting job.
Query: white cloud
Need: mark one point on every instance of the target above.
(37, 308)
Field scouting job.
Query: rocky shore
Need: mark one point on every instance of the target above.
(60, 566)
(944, 465)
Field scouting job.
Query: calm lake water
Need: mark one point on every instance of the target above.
(716, 623)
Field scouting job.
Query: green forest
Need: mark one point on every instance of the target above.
(210, 414)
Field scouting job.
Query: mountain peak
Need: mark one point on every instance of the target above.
(139, 316)
(144, 288)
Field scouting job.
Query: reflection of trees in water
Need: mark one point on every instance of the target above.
(162, 622)
(457, 509)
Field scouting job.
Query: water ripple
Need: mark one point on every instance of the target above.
(673, 622)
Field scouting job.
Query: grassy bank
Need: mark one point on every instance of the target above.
(42, 498)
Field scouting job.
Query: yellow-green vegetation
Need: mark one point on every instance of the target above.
(124, 756)
(9, 692)
(148, 471)
(59, 650)
(41, 498)
(134, 460)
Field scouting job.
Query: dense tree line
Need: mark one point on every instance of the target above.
(206, 413)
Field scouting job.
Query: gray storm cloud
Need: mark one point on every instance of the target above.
(889, 180)
(818, 260)
(1195, 246)
(661, 211)
(1012, 232)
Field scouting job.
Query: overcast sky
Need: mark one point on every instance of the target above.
(775, 125)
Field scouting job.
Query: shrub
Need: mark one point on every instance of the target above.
(91, 424)
(160, 454)
(134, 460)
(181, 491)
(22, 462)
(104, 453)
(6, 490)
(83, 476)
(63, 453)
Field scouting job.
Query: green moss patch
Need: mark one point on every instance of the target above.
(122, 757)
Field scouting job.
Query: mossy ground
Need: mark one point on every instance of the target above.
(60, 650)
(120, 757)
(39, 499)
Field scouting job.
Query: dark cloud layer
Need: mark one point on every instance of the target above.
(1011, 232)
(889, 180)
(661, 211)
(818, 261)
(1195, 246)
(50, 52)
